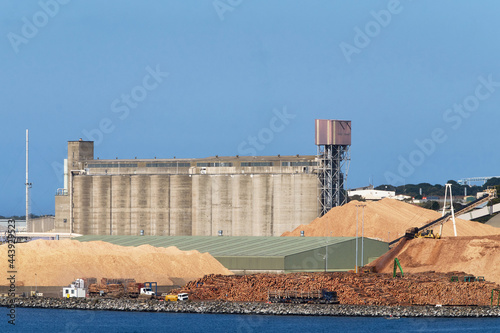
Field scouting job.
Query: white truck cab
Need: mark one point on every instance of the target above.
(182, 297)
(147, 291)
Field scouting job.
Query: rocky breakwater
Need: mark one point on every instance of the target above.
(222, 307)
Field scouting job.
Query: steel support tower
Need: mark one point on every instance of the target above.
(333, 138)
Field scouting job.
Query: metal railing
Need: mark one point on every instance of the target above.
(62, 191)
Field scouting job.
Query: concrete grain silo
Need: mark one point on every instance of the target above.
(160, 205)
(120, 205)
(239, 196)
(181, 205)
(202, 205)
(140, 204)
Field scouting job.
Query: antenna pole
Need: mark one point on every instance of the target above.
(27, 182)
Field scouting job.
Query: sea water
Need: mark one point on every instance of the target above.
(73, 321)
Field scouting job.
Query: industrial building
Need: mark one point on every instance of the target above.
(247, 255)
(369, 193)
(234, 196)
(41, 224)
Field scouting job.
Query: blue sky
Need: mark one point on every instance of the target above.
(420, 81)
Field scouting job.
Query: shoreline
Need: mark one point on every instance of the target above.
(253, 308)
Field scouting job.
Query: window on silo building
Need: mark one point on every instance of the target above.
(168, 165)
(256, 164)
(214, 165)
(112, 165)
(295, 164)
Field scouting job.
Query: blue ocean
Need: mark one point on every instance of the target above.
(73, 321)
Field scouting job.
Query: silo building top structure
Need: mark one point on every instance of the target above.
(210, 196)
(333, 138)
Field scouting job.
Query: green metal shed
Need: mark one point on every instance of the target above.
(266, 254)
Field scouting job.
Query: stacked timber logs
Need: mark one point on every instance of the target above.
(89, 281)
(428, 288)
(114, 287)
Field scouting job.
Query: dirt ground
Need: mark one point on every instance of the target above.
(385, 220)
(58, 263)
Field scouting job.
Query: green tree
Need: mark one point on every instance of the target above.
(491, 182)
(356, 197)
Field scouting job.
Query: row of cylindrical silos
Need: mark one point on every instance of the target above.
(237, 205)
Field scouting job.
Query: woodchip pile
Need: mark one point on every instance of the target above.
(385, 220)
(58, 263)
(429, 288)
(477, 255)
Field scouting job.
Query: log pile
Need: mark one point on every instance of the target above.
(133, 288)
(428, 288)
(89, 281)
(114, 287)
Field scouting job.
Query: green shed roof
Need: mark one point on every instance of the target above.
(227, 245)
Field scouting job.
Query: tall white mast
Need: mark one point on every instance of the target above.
(27, 184)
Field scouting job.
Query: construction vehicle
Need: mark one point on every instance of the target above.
(179, 297)
(415, 232)
(171, 298)
(148, 289)
(429, 233)
(123, 288)
(292, 296)
(411, 232)
(490, 194)
(182, 297)
(147, 292)
(396, 265)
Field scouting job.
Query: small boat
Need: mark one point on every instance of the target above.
(392, 317)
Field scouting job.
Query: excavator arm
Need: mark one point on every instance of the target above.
(396, 265)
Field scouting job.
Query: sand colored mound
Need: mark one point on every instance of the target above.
(475, 255)
(386, 219)
(58, 263)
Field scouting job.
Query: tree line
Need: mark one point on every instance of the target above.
(16, 217)
(428, 190)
